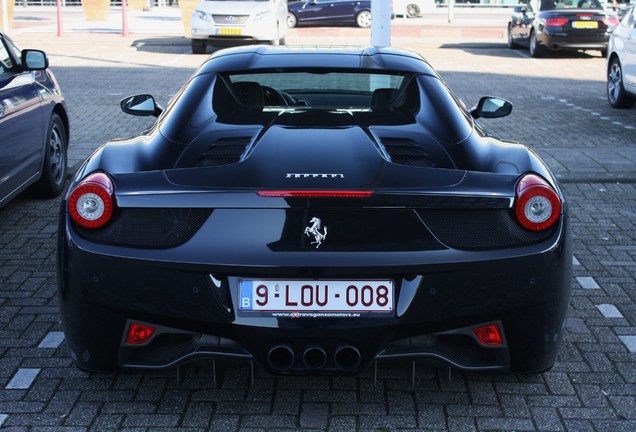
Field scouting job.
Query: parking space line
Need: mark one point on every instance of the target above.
(630, 342)
(52, 340)
(587, 282)
(609, 311)
(23, 379)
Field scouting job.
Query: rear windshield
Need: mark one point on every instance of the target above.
(570, 4)
(319, 89)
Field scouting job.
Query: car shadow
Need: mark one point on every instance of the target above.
(166, 45)
(174, 45)
(500, 49)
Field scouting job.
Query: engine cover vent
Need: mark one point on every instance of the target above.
(225, 151)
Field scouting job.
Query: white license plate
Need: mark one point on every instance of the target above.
(317, 299)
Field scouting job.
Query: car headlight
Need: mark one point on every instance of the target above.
(201, 15)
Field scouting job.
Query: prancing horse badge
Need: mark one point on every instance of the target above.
(314, 230)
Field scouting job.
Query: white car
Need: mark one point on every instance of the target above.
(229, 22)
(621, 63)
(413, 8)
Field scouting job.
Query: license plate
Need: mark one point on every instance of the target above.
(317, 299)
(584, 24)
(230, 31)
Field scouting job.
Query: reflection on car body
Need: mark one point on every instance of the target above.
(313, 211)
(544, 25)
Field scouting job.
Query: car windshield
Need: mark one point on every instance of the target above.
(322, 89)
(570, 4)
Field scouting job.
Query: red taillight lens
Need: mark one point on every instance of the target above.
(315, 193)
(610, 21)
(92, 202)
(556, 22)
(488, 334)
(139, 334)
(537, 205)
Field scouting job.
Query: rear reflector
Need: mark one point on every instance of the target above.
(139, 334)
(314, 193)
(488, 335)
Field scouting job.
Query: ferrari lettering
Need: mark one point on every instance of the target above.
(313, 175)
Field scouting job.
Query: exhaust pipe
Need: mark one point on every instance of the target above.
(314, 357)
(347, 357)
(280, 357)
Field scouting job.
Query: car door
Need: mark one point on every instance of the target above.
(629, 54)
(317, 12)
(21, 123)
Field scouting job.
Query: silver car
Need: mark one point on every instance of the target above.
(231, 22)
(621, 63)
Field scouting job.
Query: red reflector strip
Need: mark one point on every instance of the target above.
(488, 334)
(314, 194)
(139, 334)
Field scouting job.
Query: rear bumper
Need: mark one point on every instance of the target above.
(437, 303)
(562, 41)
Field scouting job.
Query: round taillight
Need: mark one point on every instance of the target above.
(537, 205)
(92, 202)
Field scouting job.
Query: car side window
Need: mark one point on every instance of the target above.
(6, 64)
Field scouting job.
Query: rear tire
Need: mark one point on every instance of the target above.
(616, 94)
(363, 19)
(412, 11)
(536, 49)
(292, 21)
(199, 46)
(54, 167)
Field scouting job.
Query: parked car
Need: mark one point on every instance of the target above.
(33, 124)
(232, 22)
(314, 210)
(545, 25)
(329, 12)
(621, 63)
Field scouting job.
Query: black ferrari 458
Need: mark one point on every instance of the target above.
(314, 211)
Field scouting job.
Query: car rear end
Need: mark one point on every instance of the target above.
(315, 240)
(575, 29)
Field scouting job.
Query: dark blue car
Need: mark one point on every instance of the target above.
(33, 124)
(329, 12)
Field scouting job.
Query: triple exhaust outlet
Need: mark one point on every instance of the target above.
(282, 357)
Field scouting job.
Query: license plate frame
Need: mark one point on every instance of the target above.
(324, 298)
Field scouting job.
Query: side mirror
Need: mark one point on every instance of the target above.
(141, 105)
(491, 107)
(34, 59)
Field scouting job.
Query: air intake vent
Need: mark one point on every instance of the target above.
(226, 151)
(407, 152)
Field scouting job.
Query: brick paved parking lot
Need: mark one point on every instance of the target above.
(559, 109)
